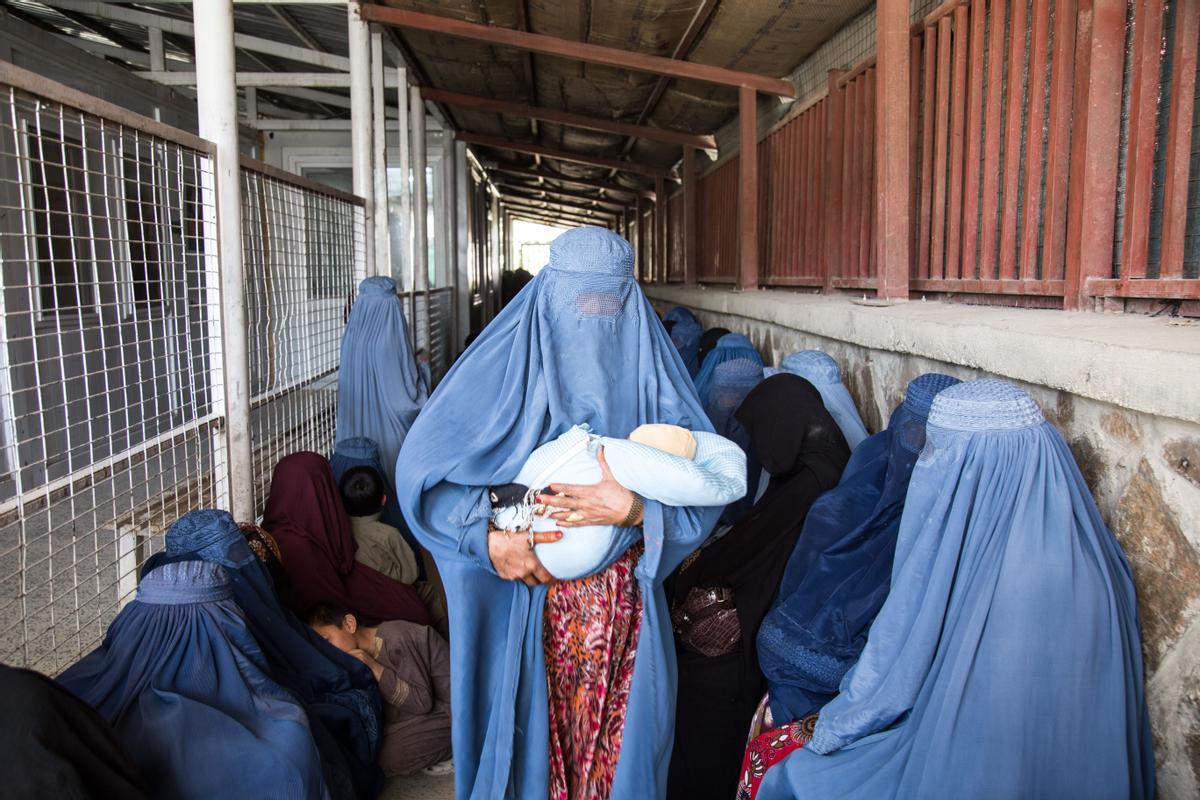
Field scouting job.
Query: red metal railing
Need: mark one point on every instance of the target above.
(675, 250)
(1014, 163)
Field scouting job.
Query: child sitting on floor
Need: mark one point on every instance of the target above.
(412, 666)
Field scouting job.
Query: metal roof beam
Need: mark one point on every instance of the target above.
(563, 204)
(562, 155)
(577, 51)
(563, 193)
(586, 183)
(702, 141)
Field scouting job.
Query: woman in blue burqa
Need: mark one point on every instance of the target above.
(567, 690)
(1006, 661)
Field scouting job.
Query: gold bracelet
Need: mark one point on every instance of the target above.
(635, 511)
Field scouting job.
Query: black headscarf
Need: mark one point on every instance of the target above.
(708, 340)
(54, 745)
(800, 445)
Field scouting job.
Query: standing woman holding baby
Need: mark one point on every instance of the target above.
(560, 689)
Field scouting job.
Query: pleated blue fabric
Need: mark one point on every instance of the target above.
(729, 347)
(732, 381)
(839, 574)
(1006, 661)
(380, 390)
(185, 686)
(338, 691)
(823, 372)
(685, 335)
(579, 345)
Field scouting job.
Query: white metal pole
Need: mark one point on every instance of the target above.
(420, 273)
(216, 101)
(402, 243)
(360, 123)
(383, 256)
(462, 276)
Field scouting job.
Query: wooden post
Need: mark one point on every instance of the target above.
(662, 268)
(831, 192)
(689, 216)
(748, 189)
(1099, 59)
(892, 149)
(639, 216)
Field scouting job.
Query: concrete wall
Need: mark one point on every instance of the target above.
(1123, 392)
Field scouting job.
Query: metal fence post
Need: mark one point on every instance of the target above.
(361, 127)
(216, 96)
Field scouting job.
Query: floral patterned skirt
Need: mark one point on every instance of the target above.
(589, 635)
(768, 749)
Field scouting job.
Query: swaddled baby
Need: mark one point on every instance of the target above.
(666, 463)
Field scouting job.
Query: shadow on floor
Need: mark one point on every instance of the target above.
(419, 787)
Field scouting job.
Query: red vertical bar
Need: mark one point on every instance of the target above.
(1095, 137)
(937, 236)
(1058, 143)
(748, 176)
(892, 119)
(660, 230)
(860, 172)
(791, 187)
(929, 105)
(1012, 142)
(801, 205)
(851, 201)
(834, 175)
(958, 102)
(689, 216)
(991, 141)
(1179, 136)
(819, 128)
(1143, 105)
(974, 135)
(866, 240)
(808, 176)
(1038, 59)
(914, 151)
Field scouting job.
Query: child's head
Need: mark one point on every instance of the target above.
(362, 491)
(334, 624)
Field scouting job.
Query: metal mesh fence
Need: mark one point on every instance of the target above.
(303, 259)
(110, 367)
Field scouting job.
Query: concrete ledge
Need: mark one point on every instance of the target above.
(1145, 364)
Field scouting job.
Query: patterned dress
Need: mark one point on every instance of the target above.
(768, 749)
(590, 639)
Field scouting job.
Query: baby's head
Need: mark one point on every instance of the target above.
(669, 438)
(335, 624)
(362, 491)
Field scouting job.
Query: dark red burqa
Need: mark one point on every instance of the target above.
(304, 513)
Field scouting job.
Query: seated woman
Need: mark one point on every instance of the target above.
(411, 663)
(55, 746)
(685, 332)
(732, 381)
(839, 574)
(185, 685)
(721, 596)
(338, 694)
(664, 463)
(823, 372)
(729, 347)
(1006, 661)
(305, 515)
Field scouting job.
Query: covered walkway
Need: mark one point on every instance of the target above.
(190, 194)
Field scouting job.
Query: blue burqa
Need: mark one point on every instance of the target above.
(823, 372)
(685, 334)
(380, 390)
(338, 691)
(185, 686)
(732, 381)
(1006, 662)
(580, 344)
(839, 574)
(729, 347)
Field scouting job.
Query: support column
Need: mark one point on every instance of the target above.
(359, 34)
(639, 216)
(892, 156)
(462, 281)
(831, 192)
(420, 274)
(1095, 137)
(383, 255)
(216, 97)
(748, 189)
(689, 216)
(662, 267)
(401, 229)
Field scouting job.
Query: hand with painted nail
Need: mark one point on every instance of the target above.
(603, 503)
(514, 559)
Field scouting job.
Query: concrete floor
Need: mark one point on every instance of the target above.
(419, 787)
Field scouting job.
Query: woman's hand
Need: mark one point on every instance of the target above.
(605, 503)
(363, 656)
(513, 558)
